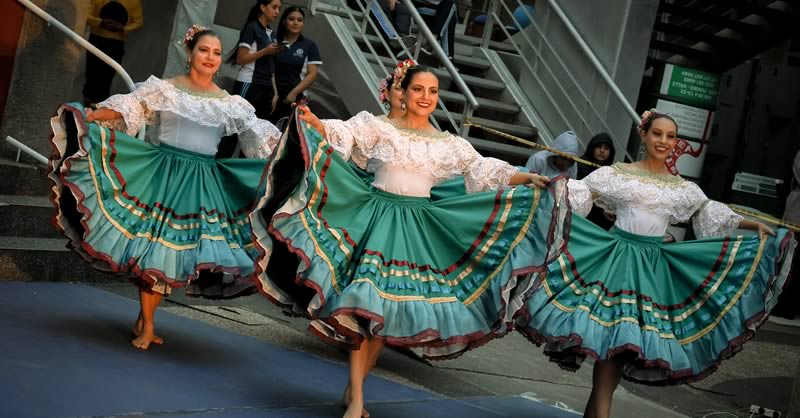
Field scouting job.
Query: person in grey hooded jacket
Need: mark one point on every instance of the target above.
(551, 165)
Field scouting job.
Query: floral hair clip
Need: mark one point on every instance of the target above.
(383, 88)
(401, 70)
(191, 32)
(646, 117)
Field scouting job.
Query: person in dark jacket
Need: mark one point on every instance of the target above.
(599, 151)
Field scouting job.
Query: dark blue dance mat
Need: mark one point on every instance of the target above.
(65, 352)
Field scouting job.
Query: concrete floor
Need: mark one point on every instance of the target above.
(762, 374)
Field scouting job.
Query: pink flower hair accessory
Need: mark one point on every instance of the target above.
(401, 70)
(646, 117)
(191, 32)
(383, 88)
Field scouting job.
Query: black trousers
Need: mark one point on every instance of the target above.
(443, 23)
(99, 75)
(259, 95)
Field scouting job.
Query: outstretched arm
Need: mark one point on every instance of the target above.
(529, 178)
(762, 229)
(312, 120)
(103, 113)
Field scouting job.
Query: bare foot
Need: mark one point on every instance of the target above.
(138, 325)
(345, 403)
(145, 338)
(355, 410)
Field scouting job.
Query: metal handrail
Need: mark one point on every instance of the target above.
(426, 31)
(364, 8)
(471, 102)
(86, 45)
(492, 17)
(595, 61)
(547, 67)
(27, 150)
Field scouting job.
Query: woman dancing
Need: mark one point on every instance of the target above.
(168, 212)
(651, 312)
(380, 262)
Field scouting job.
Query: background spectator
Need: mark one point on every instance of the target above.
(789, 302)
(257, 46)
(599, 151)
(297, 66)
(110, 22)
(551, 165)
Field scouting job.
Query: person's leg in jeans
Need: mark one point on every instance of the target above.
(443, 11)
(402, 19)
(451, 34)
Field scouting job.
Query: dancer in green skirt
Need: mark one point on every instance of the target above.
(651, 312)
(163, 212)
(381, 262)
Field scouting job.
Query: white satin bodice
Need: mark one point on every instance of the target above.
(183, 133)
(401, 181)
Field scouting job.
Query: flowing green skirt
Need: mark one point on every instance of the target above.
(671, 312)
(158, 212)
(415, 272)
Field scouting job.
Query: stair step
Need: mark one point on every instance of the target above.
(27, 216)
(443, 75)
(460, 58)
(485, 104)
(33, 244)
(23, 179)
(526, 132)
(335, 8)
(40, 259)
(475, 41)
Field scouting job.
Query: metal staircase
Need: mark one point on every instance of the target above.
(486, 80)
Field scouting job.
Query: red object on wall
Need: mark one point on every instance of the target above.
(10, 27)
(682, 147)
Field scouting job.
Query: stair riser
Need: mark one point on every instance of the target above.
(54, 266)
(23, 180)
(26, 221)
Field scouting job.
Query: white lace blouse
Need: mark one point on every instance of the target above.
(192, 121)
(410, 162)
(646, 204)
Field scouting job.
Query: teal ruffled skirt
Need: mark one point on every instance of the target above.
(670, 312)
(159, 213)
(435, 273)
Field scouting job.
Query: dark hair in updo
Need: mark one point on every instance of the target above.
(191, 43)
(648, 122)
(412, 72)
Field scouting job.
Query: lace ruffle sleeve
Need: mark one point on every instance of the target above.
(133, 106)
(257, 137)
(579, 197)
(482, 173)
(715, 219)
(361, 131)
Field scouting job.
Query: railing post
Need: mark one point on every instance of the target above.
(468, 110)
(488, 27)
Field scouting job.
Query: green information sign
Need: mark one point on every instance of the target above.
(691, 85)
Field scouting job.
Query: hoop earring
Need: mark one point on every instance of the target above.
(403, 106)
